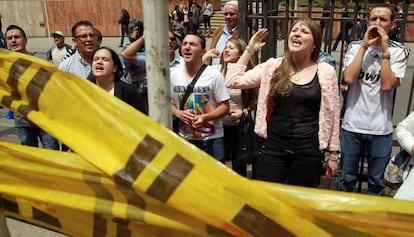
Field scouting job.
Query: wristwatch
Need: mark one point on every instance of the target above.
(386, 56)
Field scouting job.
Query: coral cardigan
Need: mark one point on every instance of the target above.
(261, 75)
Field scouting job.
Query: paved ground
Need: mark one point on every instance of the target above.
(40, 45)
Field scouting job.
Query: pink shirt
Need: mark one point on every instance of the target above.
(260, 75)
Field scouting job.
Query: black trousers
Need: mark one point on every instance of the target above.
(289, 167)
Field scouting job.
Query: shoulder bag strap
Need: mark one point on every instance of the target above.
(190, 86)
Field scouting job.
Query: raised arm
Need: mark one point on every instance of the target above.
(130, 51)
(373, 35)
(212, 53)
(255, 44)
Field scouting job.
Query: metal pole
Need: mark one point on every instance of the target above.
(47, 22)
(156, 57)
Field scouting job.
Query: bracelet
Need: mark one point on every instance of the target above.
(363, 45)
(386, 56)
(249, 50)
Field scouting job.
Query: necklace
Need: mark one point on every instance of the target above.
(295, 78)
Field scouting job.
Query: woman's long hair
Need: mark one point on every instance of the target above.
(125, 13)
(280, 82)
(249, 96)
(241, 46)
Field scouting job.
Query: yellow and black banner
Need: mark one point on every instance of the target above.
(129, 176)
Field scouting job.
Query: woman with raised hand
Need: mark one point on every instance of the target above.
(241, 102)
(297, 109)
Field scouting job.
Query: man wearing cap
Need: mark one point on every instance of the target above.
(57, 52)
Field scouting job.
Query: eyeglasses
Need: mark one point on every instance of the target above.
(85, 36)
(229, 13)
(172, 38)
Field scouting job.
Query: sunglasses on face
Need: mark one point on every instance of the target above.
(85, 36)
(229, 14)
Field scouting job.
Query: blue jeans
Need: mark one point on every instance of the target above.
(124, 31)
(214, 147)
(378, 150)
(29, 136)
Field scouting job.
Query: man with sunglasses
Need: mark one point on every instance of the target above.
(85, 39)
(228, 31)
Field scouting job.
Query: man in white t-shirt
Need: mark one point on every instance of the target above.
(57, 52)
(373, 68)
(200, 122)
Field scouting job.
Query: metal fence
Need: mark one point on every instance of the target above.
(278, 15)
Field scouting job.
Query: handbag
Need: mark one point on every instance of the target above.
(249, 141)
(394, 174)
(188, 91)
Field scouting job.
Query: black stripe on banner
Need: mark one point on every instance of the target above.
(170, 178)
(104, 203)
(99, 226)
(16, 71)
(213, 231)
(11, 206)
(122, 228)
(46, 218)
(258, 224)
(147, 149)
(339, 229)
(34, 90)
(134, 201)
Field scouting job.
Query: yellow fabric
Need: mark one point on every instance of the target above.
(129, 176)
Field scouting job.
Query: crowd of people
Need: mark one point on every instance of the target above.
(296, 98)
(353, 27)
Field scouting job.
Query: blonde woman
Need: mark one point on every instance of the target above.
(240, 102)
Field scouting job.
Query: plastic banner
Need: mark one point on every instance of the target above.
(129, 176)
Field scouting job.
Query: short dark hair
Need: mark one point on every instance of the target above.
(202, 38)
(16, 27)
(384, 5)
(80, 23)
(139, 25)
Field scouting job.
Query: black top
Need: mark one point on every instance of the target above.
(127, 93)
(293, 125)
